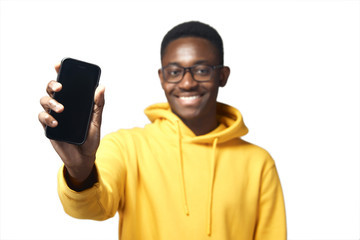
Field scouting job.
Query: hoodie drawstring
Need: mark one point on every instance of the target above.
(211, 186)
(182, 177)
(211, 183)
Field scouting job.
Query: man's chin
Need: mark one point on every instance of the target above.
(187, 114)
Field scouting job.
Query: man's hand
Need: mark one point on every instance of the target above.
(78, 159)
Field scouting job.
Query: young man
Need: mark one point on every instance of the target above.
(188, 174)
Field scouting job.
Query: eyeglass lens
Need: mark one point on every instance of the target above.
(174, 73)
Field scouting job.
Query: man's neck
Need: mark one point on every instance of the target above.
(201, 127)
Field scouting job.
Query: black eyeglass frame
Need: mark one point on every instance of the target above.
(188, 69)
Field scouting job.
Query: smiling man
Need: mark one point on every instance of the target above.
(187, 174)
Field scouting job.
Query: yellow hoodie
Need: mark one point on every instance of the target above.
(169, 184)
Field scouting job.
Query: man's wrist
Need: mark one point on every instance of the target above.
(79, 185)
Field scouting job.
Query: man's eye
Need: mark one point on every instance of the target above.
(202, 71)
(174, 72)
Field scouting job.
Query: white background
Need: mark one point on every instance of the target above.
(295, 78)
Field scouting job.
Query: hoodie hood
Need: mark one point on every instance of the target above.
(231, 124)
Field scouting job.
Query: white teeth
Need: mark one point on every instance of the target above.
(189, 97)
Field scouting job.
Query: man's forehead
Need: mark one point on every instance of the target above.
(190, 41)
(188, 48)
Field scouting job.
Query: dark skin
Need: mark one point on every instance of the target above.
(193, 102)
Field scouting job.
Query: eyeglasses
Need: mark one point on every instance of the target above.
(202, 73)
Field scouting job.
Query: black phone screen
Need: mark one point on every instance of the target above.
(79, 81)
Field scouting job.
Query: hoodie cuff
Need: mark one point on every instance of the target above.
(64, 189)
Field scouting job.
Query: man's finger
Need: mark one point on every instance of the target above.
(49, 103)
(52, 87)
(57, 67)
(99, 105)
(47, 120)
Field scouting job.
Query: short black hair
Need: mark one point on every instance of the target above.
(194, 29)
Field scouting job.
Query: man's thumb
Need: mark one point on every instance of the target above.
(99, 101)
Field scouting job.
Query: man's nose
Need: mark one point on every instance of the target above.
(188, 81)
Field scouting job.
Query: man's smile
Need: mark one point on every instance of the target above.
(189, 97)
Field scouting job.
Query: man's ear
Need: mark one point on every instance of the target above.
(224, 75)
(161, 78)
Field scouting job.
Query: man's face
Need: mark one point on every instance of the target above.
(189, 99)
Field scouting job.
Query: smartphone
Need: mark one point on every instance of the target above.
(79, 81)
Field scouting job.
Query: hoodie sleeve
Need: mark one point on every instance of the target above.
(271, 222)
(101, 201)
